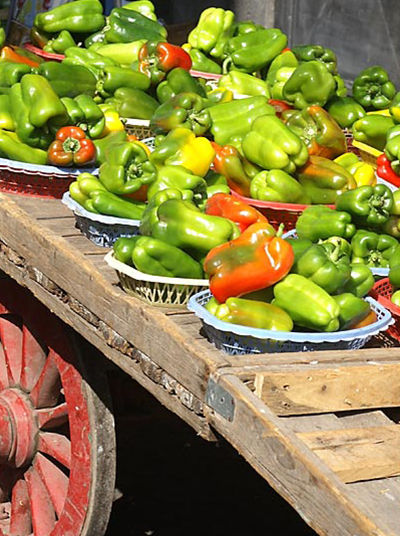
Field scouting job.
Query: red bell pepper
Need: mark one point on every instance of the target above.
(235, 210)
(157, 59)
(71, 147)
(280, 105)
(234, 167)
(255, 260)
(384, 170)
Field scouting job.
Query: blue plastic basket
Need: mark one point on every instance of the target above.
(100, 229)
(235, 339)
(378, 272)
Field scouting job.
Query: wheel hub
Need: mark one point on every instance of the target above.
(18, 428)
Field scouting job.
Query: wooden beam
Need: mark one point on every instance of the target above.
(322, 389)
(359, 453)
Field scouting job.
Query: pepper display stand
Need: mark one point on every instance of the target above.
(320, 427)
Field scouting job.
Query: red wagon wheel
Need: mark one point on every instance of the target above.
(57, 442)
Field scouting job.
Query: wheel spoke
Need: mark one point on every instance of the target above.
(11, 338)
(55, 481)
(43, 514)
(46, 391)
(52, 417)
(33, 359)
(21, 521)
(57, 446)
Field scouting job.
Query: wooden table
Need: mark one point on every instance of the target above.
(322, 428)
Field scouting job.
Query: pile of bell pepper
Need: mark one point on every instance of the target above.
(263, 281)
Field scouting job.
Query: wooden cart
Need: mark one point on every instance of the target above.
(322, 428)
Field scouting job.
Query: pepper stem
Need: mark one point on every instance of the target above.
(71, 145)
(280, 230)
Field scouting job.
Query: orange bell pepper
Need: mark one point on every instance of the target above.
(236, 169)
(8, 54)
(227, 206)
(257, 259)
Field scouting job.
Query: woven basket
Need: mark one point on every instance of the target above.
(160, 291)
(34, 180)
(367, 153)
(277, 213)
(138, 127)
(382, 293)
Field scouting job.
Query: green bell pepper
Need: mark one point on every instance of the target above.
(109, 204)
(11, 73)
(279, 72)
(88, 58)
(321, 134)
(277, 186)
(234, 119)
(321, 222)
(352, 310)
(318, 311)
(372, 130)
(253, 51)
(187, 110)
(373, 89)
(96, 38)
(134, 103)
(102, 144)
(310, 83)
(182, 225)
(12, 148)
(272, 145)
(178, 81)
(324, 264)
(61, 43)
(121, 53)
(150, 217)
(323, 180)
(373, 249)
(155, 257)
(86, 114)
(253, 313)
(33, 135)
(144, 7)
(200, 62)
(81, 189)
(80, 16)
(244, 84)
(113, 77)
(299, 246)
(392, 147)
(68, 80)
(6, 119)
(345, 110)
(123, 248)
(126, 26)
(246, 26)
(360, 282)
(369, 206)
(178, 177)
(126, 168)
(396, 298)
(305, 53)
(2, 36)
(395, 108)
(213, 30)
(394, 275)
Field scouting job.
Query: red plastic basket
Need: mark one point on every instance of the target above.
(43, 54)
(34, 183)
(382, 292)
(277, 213)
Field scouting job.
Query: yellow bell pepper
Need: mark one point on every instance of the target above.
(220, 94)
(112, 118)
(363, 173)
(182, 148)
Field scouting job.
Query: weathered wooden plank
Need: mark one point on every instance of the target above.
(41, 208)
(143, 326)
(359, 453)
(324, 389)
(292, 469)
